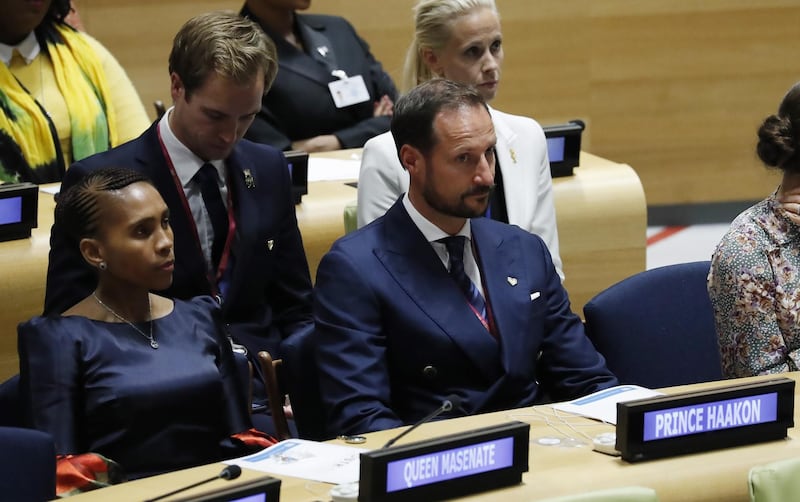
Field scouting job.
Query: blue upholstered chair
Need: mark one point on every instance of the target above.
(27, 465)
(10, 406)
(656, 328)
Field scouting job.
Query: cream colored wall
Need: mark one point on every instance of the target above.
(674, 88)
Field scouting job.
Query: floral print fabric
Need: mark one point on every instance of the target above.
(754, 285)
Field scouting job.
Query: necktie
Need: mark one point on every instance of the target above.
(209, 188)
(455, 250)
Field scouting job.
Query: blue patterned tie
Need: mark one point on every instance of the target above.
(209, 187)
(455, 250)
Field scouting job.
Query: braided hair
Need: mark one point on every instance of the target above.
(78, 208)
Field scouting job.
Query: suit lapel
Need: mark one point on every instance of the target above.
(504, 283)
(411, 260)
(317, 64)
(242, 205)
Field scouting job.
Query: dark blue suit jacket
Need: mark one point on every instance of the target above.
(299, 104)
(396, 336)
(269, 297)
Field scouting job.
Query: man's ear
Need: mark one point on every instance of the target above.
(92, 251)
(411, 159)
(432, 61)
(176, 88)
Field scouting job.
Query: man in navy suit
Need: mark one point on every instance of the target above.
(236, 234)
(402, 321)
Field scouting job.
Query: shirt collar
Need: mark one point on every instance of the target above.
(185, 162)
(28, 49)
(431, 232)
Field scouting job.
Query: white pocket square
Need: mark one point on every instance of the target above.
(535, 295)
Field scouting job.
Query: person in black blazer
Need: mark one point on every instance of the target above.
(299, 111)
(261, 277)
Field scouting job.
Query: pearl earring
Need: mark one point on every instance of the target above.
(102, 265)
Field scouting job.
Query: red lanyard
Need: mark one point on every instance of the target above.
(223, 261)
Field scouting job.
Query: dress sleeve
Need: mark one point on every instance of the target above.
(742, 289)
(50, 363)
(130, 113)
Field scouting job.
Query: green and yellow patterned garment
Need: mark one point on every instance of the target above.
(29, 146)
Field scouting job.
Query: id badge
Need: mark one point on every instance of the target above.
(348, 91)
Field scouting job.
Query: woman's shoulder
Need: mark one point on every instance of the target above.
(57, 326)
(515, 122)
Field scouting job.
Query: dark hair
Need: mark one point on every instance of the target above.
(59, 9)
(46, 31)
(77, 209)
(778, 144)
(225, 43)
(415, 111)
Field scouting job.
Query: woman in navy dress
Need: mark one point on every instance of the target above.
(140, 379)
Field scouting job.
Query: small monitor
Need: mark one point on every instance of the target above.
(564, 146)
(298, 169)
(19, 210)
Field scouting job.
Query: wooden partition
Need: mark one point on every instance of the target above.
(675, 89)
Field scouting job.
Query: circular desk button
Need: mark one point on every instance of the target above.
(352, 439)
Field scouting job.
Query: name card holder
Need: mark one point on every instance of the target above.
(691, 422)
(19, 210)
(449, 466)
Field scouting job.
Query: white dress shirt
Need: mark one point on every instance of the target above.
(186, 165)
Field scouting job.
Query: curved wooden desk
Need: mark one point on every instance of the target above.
(719, 475)
(601, 213)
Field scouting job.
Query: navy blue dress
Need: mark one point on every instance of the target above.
(99, 387)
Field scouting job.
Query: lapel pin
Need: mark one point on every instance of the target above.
(270, 244)
(323, 50)
(512, 280)
(513, 155)
(249, 181)
(535, 295)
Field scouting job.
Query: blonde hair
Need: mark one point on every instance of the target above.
(433, 20)
(225, 43)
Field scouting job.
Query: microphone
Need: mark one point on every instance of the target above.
(451, 402)
(228, 473)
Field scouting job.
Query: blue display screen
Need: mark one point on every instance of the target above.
(555, 148)
(713, 416)
(449, 464)
(10, 210)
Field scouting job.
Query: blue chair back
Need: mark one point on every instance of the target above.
(27, 465)
(10, 404)
(656, 328)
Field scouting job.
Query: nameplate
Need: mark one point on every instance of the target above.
(19, 210)
(448, 466)
(728, 416)
(263, 489)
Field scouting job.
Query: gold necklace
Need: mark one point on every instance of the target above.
(153, 342)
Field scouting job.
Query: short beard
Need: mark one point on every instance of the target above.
(460, 210)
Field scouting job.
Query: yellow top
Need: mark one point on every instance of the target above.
(39, 79)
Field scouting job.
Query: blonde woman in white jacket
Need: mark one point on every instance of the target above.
(461, 40)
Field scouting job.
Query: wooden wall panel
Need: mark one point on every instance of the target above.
(675, 89)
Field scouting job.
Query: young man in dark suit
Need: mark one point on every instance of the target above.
(432, 299)
(230, 200)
